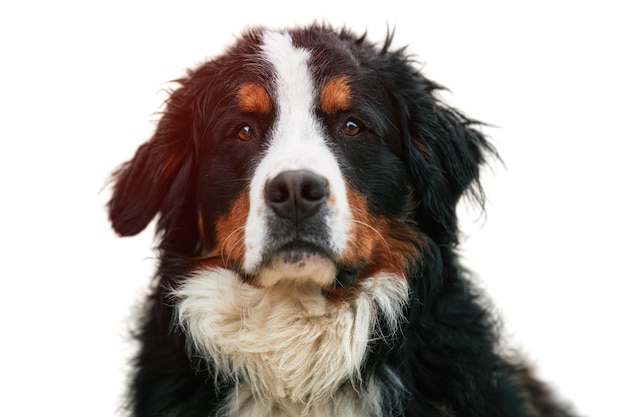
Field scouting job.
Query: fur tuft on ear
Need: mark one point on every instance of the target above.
(443, 149)
(141, 184)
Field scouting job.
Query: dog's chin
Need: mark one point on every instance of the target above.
(298, 266)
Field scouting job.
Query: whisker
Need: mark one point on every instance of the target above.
(226, 258)
(382, 238)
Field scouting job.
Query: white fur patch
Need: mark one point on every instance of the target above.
(311, 268)
(288, 347)
(296, 142)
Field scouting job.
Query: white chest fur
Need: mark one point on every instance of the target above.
(288, 348)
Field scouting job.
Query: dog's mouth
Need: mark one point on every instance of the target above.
(302, 262)
(297, 251)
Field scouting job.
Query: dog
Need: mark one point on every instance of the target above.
(305, 184)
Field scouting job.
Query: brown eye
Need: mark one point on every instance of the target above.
(245, 132)
(352, 127)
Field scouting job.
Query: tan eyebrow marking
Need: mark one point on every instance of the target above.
(336, 95)
(253, 98)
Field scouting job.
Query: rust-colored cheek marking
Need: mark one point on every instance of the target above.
(336, 95)
(253, 98)
(378, 243)
(229, 248)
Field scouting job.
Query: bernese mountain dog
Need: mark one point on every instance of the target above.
(305, 184)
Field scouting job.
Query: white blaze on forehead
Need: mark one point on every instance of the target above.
(296, 141)
(294, 87)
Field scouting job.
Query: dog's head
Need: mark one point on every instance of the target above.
(304, 155)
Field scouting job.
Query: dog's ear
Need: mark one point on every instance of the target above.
(142, 185)
(445, 152)
(443, 149)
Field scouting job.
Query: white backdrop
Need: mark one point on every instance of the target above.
(80, 85)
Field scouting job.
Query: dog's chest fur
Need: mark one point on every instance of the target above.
(288, 348)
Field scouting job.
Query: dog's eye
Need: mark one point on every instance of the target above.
(245, 132)
(352, 127)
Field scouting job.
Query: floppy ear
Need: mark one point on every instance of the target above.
(443, 148)
(445, 153)
(141, 185)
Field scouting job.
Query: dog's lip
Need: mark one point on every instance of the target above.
(293, 251)
(346, 276)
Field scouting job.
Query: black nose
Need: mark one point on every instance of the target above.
(296, 194)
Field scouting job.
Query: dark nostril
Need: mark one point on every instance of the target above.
(277, 190)
(296, 194)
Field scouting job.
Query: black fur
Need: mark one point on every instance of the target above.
(417, 155)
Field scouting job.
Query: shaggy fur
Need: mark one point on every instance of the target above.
(305, 185)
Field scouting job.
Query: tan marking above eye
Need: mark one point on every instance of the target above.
(253, 98)
(336, 95)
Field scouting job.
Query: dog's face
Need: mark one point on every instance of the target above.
(312, 170)
(307, 156)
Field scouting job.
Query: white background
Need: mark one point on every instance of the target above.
(79, 87)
